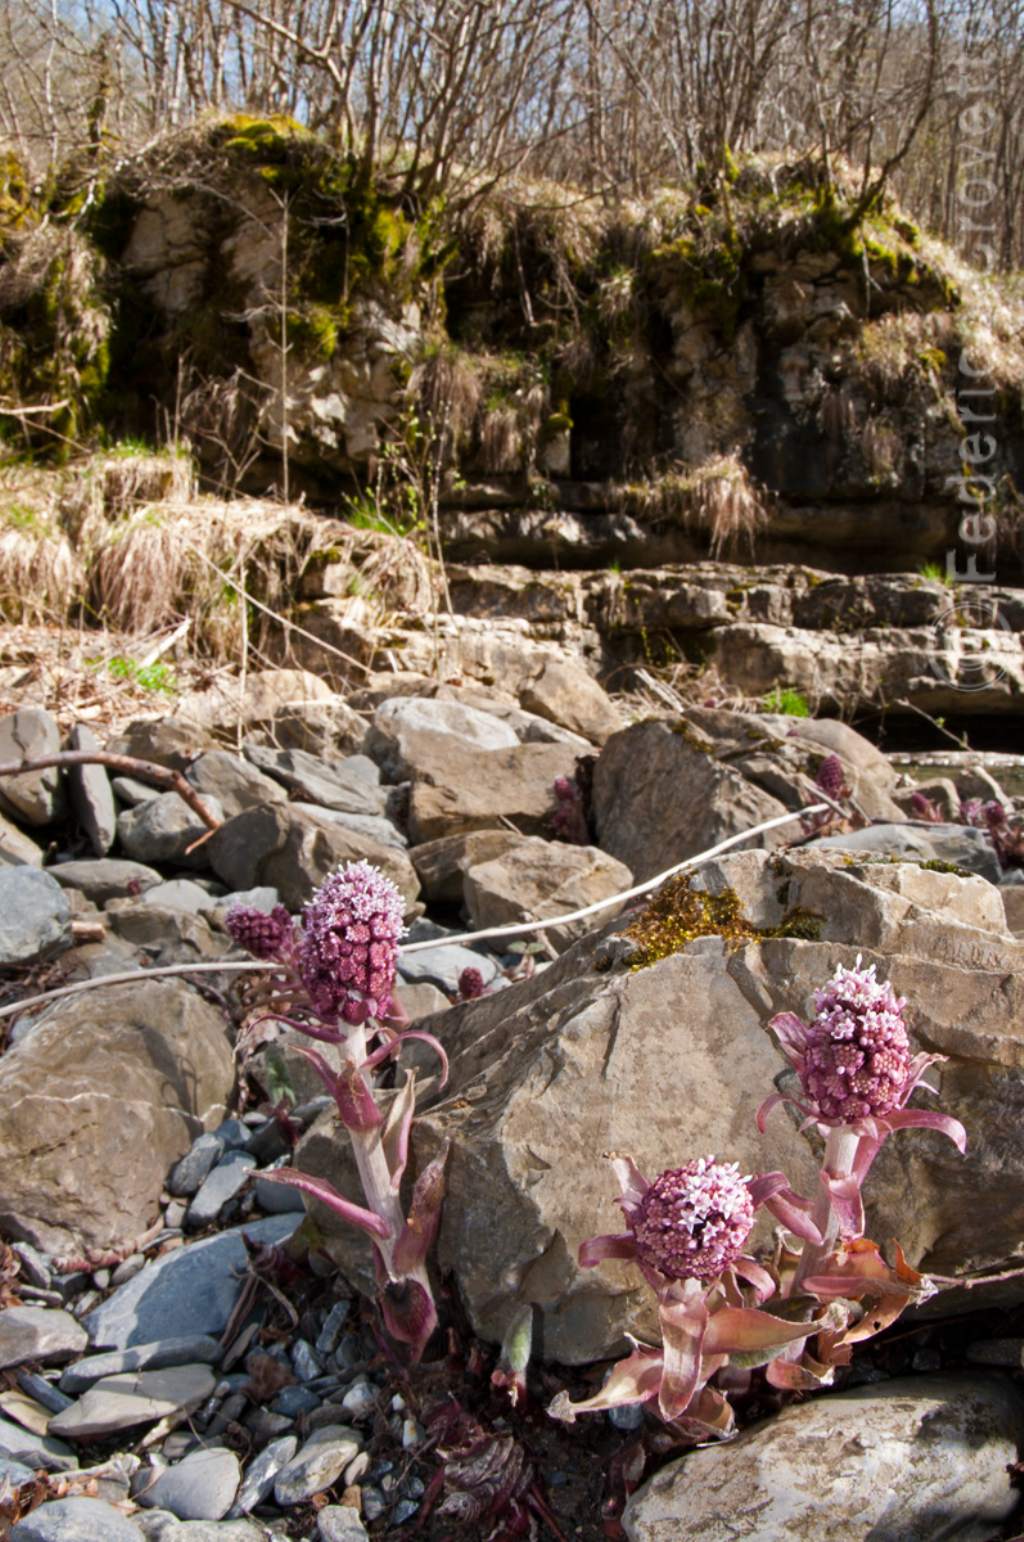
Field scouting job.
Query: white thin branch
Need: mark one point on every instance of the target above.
(228, 966)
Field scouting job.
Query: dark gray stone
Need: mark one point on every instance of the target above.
(259, 1478)
(179, 894)
(16, 850)
(135, 1397)
(226, 1180)
(35, 917)
(163, 829)
(330, 1333)
(92, 796)
(191, 1171)
(202, 1487)
(39, 1333)
(18, 1445)
(374, 826)
(236, 784)
(443, 965)
(106, 878)
(192, 1290)
(194, 1349)
(76, 1520)
(340, 1523)
(331, 785)
(43, 1392)
(961, 845)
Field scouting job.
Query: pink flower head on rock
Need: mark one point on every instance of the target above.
(854, 1061)
(471, 984)
(349, 950)
(856, 1052)
(259, 933)
(693, 1220)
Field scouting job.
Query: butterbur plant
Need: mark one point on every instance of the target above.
(1005, 833)
(798, 1314)
(333, 980)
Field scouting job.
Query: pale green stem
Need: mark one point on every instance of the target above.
(840, 1155)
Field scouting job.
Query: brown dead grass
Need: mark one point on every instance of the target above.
(719, 497)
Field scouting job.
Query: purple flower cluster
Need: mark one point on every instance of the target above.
(856, 1057)
(693, 1220)
(261, 934)
(569, 821)
(471, 984)
(831, 777)
(349, 950)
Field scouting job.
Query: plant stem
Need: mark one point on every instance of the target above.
(840, 1155)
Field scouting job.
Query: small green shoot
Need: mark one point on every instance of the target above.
(150, 677)
(789, 702)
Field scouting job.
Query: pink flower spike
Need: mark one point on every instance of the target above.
(319, 1188)
(693, 1220)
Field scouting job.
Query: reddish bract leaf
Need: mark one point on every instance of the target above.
(319, 1188)
(633, 1380)
(417, 1235)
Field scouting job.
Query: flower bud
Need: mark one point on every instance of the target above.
(693, 1221)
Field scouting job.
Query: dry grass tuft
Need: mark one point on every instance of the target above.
(719, 497)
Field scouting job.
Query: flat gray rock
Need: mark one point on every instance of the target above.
(236, 784)
(19, 1445)
(32, 797)
(192, 1290)
(162, 829)
(319, 1463)
(443, 965)
(202, 1487)
(196, 1349)
(14, 1473)
(261, 1472)
(136, 1397)
(374, 826)
(92, 796)
(178, 894)
(106, 878)
(219, 1531)
(39, 1333)
(329, 784)
(226, 1180)
(961, 845)
(35, 917)
(76, 1520)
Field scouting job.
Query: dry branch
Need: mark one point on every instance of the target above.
(125, 765)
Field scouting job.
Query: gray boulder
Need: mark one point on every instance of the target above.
(163, 829)
(77, 1520)
(31, 797)
(408, 731)
(233, 782)
(92, 796)
(35, 917)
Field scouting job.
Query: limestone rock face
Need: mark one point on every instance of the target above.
(905, 1462)
(672, 1060)
(100, 1100)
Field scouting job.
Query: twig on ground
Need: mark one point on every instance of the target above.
(126, 765)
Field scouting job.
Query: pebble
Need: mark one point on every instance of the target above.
(234, 1133)
(277, 1198)
(330, 1333)
(266, 1425)
(404, 1511)
(629, 1417)
(76, 1520)
(39, 1333)
(413, 1434)
(202, 1487)
(226, 1180)
(357, 1468)
(128, 1268)
(188, 1174)
(34, 1267)
(340, 1523)
(174, 1215)
(360, 1400)
(293, 1401)
(374, 1503)
(318, 1464)
(199, 1349)
(304, 1361)
(259, 1478)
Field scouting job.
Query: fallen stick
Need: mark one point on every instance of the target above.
(126, 765)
